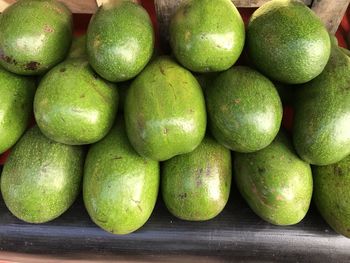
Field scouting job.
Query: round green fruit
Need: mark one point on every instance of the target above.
(287, 41)
(73, 105)
(120, 40)
(35, 35)
(206, 35)
(244, 109)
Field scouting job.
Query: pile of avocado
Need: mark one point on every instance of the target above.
(119, 122)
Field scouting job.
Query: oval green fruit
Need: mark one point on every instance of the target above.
(120, 187)
(73, 105)
(331, 194)
(165, 111)
(35, 35)
(120, 40)
(206, 35)
(321, 130)
(244, 109)
(41, 179)
(287, 41)
(275, 182)
(196, 186)
(16, 104)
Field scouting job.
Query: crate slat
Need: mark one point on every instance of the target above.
(76, 6)
(331, 12)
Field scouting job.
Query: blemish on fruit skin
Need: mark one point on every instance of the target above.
(62, 69)
(48, 29)
(32, 65)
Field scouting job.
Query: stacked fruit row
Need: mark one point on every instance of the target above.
(165, 112)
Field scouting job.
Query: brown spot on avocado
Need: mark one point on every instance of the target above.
(338, 171)
(48, 29)
(165, 131)
(117, 158)
(237, 101)
(182, 196)
(62, 69)
(32, 65)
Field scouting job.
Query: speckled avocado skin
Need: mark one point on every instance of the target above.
(165, 111)
(345, 51)
(120, 187)
(244, 109)
(287, 41)
(78, 48)
(196, 185)
(73, 105)
(331, 194)
(16, 104)
(275, 182)
(41, 178)
(206, 35)
(321, 131)
(35, 35)
(120, 40)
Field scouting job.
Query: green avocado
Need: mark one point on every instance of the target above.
(73, 105)
(120, 188)
(244, 109)
(275, 182)
(78, 48)
(41, 178)
(206, 35)
(16, 104)
(35, 35)
(287, 41)
(345, 51)
(321, 130)
(196, 186)
(331, 194)
(120, 40)
(165, 111)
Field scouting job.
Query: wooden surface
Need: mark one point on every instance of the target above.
(331, 12)
(76, 6)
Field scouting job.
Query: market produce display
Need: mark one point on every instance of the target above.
(128, 124)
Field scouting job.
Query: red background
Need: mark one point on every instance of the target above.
(81, 22)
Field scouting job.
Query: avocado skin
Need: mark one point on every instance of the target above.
(244, 109)
(321, 131)
(331, 194)
(345, 51)
(120, 187)
(16, 104)
(196, 186)
(120, 40)
(78, 48)
(165, 111)
(206, 35)
(35, 35)
(75, 106)
(41, 178)
(275, 182)
(287, 41)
